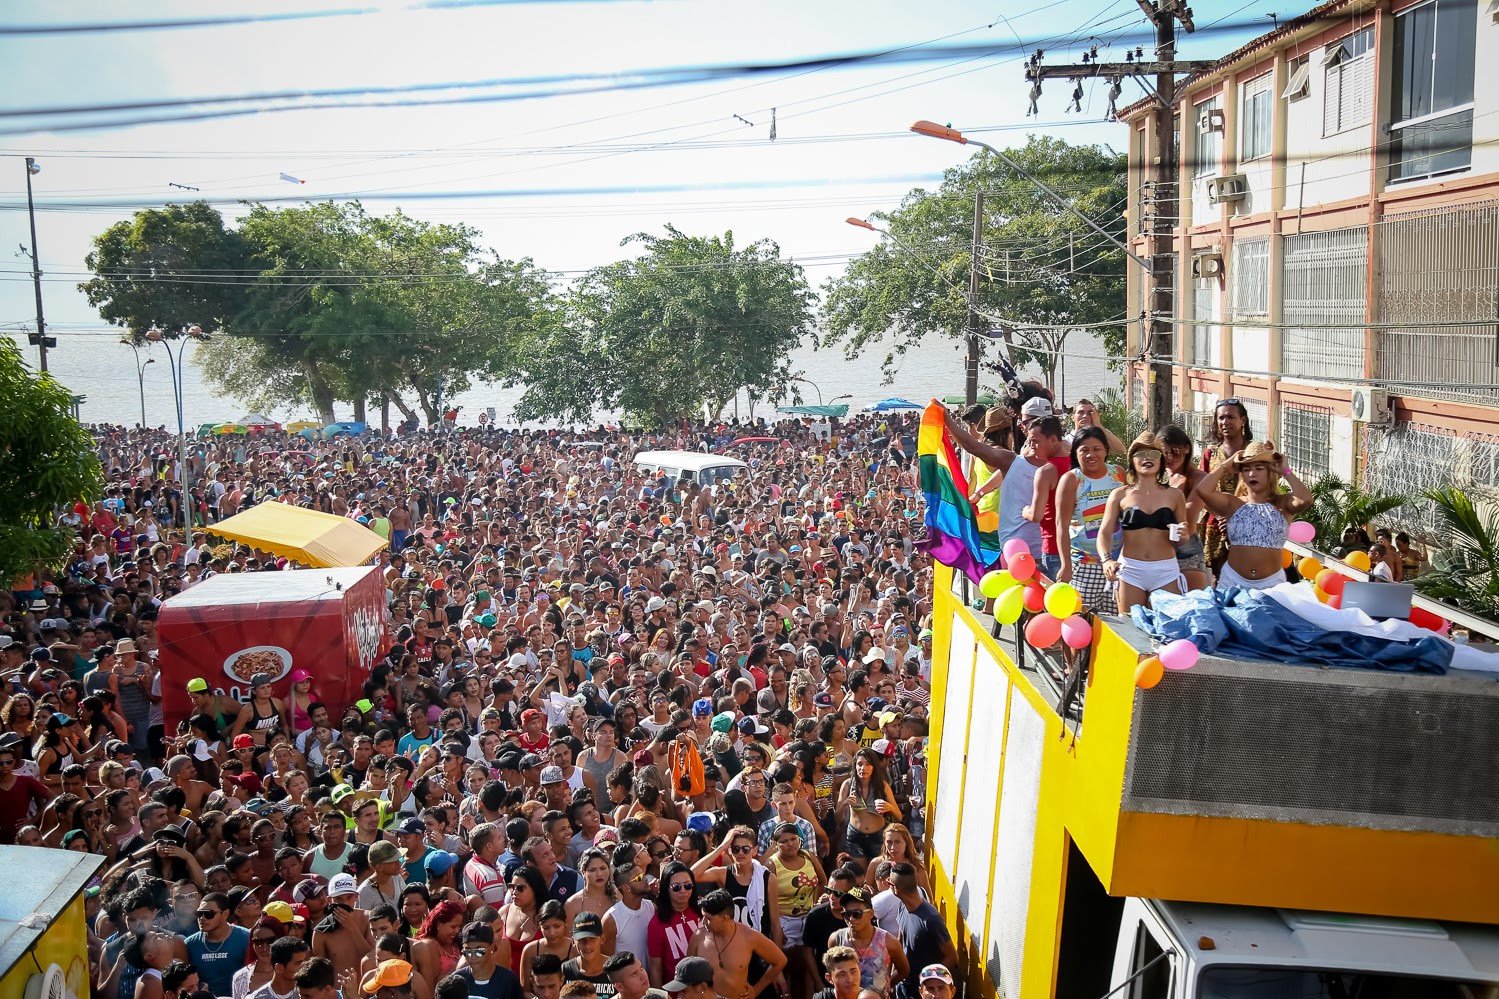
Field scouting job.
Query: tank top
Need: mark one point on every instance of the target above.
(1092, 499)
(324, 866)
(631, 927)
(1014, 497)
(874, 959)
(983, 473)
(264, 723)
(1063, 464)
(740, 894)
(600, 770)
(796, 890)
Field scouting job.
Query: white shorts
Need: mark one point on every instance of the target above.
(1227, 577)
(791, 930)
(1150, 576)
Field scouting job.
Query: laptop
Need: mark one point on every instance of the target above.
(1381, 601)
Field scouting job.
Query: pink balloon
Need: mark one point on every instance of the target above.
(1023, 565)
(1180, 654)
(1015, 546)
(1043, 631)
(1301, 532)
(1077, 633)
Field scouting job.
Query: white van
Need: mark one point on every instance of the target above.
(697, 466)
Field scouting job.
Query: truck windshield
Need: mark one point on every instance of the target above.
(1301, 983)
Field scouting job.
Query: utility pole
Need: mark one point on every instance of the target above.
(1162, 170)
(971, 367)
(40, 337)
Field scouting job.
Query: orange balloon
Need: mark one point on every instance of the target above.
(1286, 558)
(1149, 673)
(1322, 594)
(1359, 560)
(1308, 567)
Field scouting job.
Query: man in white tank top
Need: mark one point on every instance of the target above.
(626, 921)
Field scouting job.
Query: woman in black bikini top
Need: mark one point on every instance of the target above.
(262, 716)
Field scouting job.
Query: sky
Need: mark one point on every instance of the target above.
(562, 178)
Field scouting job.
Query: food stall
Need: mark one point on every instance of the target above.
(333, 623)
(43, 940)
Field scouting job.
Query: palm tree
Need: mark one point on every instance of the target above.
(1466, 572)
(1338, 505)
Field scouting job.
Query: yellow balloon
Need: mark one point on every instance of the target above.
(1149, 673)
(1321, 594)
(1062, 600)
(1308, 567)
(1011, 603)
(995, 582)
(1359, 560)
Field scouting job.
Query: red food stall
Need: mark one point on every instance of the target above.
(228, 628)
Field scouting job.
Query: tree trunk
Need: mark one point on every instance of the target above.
(359, 410)
(384, 413)
(319, 389)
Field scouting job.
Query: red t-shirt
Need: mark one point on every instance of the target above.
(1063, 464)
(16, 803)
(668, 941)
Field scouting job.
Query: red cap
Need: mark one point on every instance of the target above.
(528, 714)
(243, 742)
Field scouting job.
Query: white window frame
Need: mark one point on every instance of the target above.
(1206, 165)
(1348, 68)
(1396, 127)
(1256, 127)
(1299, 74)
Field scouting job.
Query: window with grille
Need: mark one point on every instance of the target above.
(1251, 277)
(1207, 150)
(1255, 138)
(1324, 285)
(1348, 97)
(1431, 121)
(1306, 440)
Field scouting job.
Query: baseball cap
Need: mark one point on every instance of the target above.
(748, 726)
(530, 760)
(411, 825)
(307, 888)
(822, 700)
(723, 721)
(883, 747)
(197, 685)
(587, 925)
(439, 862)
(279, 911)
(393, 973)
(339, 793)
(342, 884)
(553, 775)
(858, 893)
(244, 742)
(1037, 408)
(478, 932)
(383, 851)
(690, 971)
(702, 707)
(299, 675)
(936, 973)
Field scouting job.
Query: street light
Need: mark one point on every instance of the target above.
(799, 378)
(155, 335)
(140, 374)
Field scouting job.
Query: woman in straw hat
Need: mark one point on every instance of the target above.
(1255, 527)
(1152, 516)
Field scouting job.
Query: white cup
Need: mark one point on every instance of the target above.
(1176, 531)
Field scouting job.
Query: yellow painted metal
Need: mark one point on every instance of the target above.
(1182, 857)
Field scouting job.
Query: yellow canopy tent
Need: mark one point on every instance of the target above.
(318, 540)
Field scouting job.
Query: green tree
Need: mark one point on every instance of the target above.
(48, 461)
(1039, 264)
(684, 326)
(1466, 571)
(168, 267)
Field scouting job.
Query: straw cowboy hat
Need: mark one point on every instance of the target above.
(1260, 451)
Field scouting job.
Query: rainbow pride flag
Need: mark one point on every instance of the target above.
(957, 535)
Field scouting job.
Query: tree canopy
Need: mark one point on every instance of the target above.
(1039, 264)
(684, 326)
(47, 459)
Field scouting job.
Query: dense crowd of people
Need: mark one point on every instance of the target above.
(632, 733)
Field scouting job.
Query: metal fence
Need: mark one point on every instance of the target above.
(1439, 267)
(1306, 439)
(1324, 283)
(1410, 458)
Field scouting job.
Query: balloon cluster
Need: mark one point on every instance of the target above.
(1178, 655)
(1016, 590)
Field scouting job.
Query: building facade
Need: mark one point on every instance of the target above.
(1336, 260)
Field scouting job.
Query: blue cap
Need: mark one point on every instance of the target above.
(878, 704)
(702, 707)
(700, 822)
(439, 862)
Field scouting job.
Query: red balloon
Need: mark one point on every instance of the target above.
(1022, 565)
(1332, 581)
(1043, 631)
(1335, 601)
(1035, 597)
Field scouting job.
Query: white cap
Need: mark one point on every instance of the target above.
(342, 884)
(1037, 408)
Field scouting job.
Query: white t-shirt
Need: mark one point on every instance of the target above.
(488, 883)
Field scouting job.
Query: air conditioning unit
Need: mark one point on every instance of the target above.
(1199, 426)
(1210, 121)
(1207, 265)
(1228, 188)
(1372, 406)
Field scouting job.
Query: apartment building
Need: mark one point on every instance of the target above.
(1337, 243)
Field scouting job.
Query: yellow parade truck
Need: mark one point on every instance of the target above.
(1243, 829)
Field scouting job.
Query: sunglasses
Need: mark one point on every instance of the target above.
(474, 953)
(853, 914)
(207, 913)
(681, 887)
(742, 849)
(264, 941)
(660, 854)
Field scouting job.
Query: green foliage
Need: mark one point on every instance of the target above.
(685, 325)
(1338, 505)
(1466, 572)
(47, 462)
(1040, 264)
(131, 258)
(1124, 422)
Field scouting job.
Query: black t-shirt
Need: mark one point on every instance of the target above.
(922, 936)
(502, 984)
(821, 924)
(603, 988)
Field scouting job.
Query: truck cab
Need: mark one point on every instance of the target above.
(1177, 950)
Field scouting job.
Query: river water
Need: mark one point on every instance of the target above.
(103, 370)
